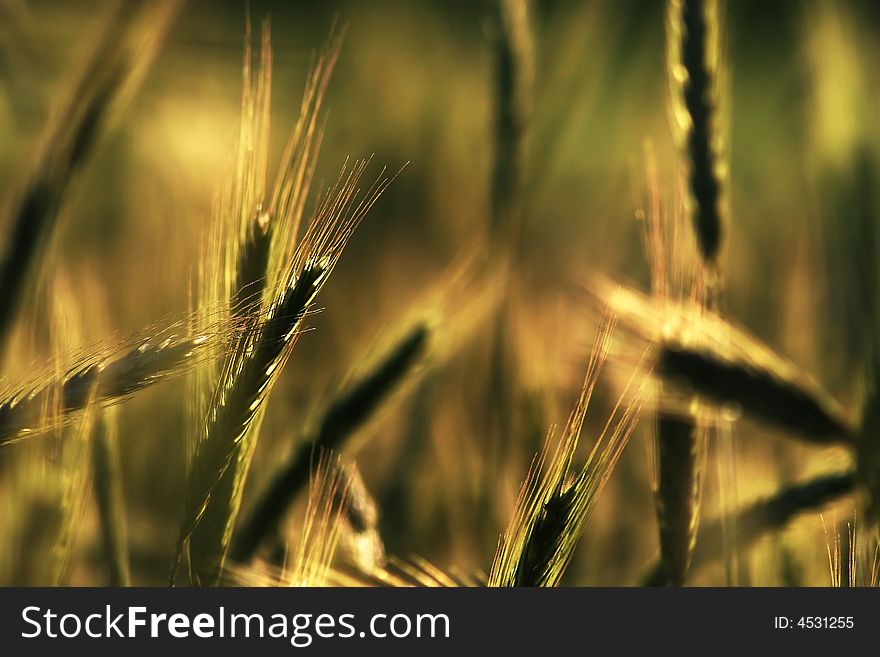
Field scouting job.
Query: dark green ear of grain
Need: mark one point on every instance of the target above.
(806, 412)
(253, 260)
(764, 517)
(678, 486)
(679, 442)
(68, 141)
(543, 545)
(697, 88)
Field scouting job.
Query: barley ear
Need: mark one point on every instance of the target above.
(681, 451)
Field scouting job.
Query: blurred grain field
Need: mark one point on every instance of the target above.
(444, 454)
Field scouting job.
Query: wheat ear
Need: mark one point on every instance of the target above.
(216, 476)
(104, 377)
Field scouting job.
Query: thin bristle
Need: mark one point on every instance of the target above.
(309, 554)
(319, 534)
(401, 573)
(287, 198)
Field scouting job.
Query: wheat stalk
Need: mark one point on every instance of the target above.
(341, 419)
(109, 496)
(514, 74)
(680, 440)
(513, 90)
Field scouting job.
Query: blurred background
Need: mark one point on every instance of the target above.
(416, 84)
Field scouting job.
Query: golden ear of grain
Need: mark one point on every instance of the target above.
(222, 456)
(103, 375)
